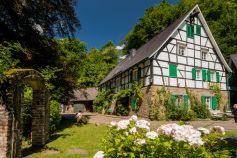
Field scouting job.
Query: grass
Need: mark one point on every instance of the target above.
(87, 137)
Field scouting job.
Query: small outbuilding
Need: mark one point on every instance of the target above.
(82, 101)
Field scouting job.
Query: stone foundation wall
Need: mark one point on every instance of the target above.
(150, 92)
(5, 122)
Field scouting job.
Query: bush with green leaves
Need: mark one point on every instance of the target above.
(55, 116)
(27, 111)
(133, 138)
(102, 101)
(201, 111)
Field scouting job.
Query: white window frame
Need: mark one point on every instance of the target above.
(198, 77)
(208, 102)
(179, 46)
(134, 74)
(212, 75)
(179, 99)
(204, 54)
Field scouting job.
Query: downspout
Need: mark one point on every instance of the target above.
(229, 75)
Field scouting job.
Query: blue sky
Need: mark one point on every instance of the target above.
(104, 20)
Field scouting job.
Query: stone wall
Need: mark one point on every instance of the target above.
(11, 103)
(150, 92)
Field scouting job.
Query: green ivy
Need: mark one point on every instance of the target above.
(216, 89)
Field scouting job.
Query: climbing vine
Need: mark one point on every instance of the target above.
(216, 90)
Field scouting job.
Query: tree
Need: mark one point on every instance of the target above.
(220, 16)
(97, 65)
(34, 24)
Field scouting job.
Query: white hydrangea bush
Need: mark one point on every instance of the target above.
(134, 138)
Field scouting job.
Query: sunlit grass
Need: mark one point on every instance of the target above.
(87, 137)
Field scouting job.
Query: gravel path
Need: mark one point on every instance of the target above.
(106, 119)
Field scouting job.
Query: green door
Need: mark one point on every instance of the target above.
(134, 103)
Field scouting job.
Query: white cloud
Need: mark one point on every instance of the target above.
(120, 47)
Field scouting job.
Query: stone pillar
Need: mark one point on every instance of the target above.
(40, 117)
(5, 123)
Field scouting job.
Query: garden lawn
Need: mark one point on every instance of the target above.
(75, 138)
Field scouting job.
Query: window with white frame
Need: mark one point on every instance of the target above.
(118, 80)
(204, 53)
(181, 48)
(134, 74)
(212, 74)
(208, 102)
(179, 99)
(199, 75)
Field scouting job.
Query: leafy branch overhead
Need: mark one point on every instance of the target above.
(220, 16)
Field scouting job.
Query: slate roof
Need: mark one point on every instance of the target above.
(87, 94)
(146, 50)
(152, 46)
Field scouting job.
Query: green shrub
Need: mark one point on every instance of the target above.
(27, 111)
(122, 110)
(55, 116)
(201, 111)
(102, 101)
(134, 139)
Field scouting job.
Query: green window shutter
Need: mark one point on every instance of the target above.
(134, 103)
(139, 73)
(190, 31)
(193, 73)
(186, 101)
(204, 75)
(173, 70)
(208, 75)
(198, 30)
(203, 99)
(214, 103)
(217, 76)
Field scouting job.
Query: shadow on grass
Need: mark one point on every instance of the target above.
(66, 122)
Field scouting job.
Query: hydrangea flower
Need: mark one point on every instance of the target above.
(133, 130)
(140, 141)
(143, 124)
(184, 133)
(123, 124)
(204, 130)
(151, 135)
(133, 118)
(218, 129)
(126, 133)
(113, 123)
(99, 154)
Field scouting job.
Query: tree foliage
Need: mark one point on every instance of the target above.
(220, 16)
(97, 65)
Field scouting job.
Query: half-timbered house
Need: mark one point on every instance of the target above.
(185, 54)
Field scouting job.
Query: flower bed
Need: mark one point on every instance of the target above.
(134, 138)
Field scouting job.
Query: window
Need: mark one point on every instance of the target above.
(210, 101)
(190, 31)
(180, 100)
(173, 70)
(181, 49)
(118, 83)
(134, 74)
(204, 54)
(198, 74)
(198, 30)
(206, 100)
(212, 75)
